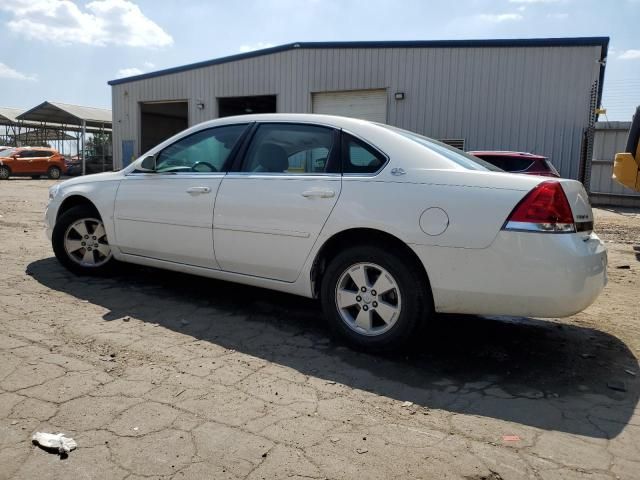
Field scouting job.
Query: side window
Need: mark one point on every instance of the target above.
(26, 154)
(289, 148)
(204, 151)
(43, 153)
(358, 157)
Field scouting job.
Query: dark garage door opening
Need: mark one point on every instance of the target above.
(229, 106)
(161, 120)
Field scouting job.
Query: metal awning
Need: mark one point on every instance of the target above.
(66, 114)
(9, 116)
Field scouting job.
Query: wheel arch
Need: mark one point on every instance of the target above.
(74, 201)
(362, 236)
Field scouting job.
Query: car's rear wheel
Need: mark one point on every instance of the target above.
(54, 173)
(5, 173)
(374, 299)
(80, 242)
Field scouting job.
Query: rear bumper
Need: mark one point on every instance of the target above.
(524, 274)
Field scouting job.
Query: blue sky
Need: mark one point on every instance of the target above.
(66, 51)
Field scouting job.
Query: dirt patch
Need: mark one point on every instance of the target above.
(175, 376)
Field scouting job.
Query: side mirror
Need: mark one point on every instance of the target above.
(15, 156)
(148, 164)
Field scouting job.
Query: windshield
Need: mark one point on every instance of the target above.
(458, 156)
(6, 152)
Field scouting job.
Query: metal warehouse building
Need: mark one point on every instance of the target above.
(536, 95)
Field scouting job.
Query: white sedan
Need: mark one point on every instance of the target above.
(384, 226)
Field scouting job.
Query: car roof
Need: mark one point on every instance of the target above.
(332, 120)
(506, 153)
(35, 148)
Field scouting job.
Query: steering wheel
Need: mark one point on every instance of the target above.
(211, 168)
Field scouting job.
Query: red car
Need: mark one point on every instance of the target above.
(518, 162)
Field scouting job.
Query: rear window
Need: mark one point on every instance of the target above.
(508, 164)
(457, 156)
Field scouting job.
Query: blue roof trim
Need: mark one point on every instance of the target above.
(522, 42)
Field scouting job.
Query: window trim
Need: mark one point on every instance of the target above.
(345, 155)
(333, 159)
(225, 166)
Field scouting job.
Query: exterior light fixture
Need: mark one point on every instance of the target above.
(399, 95)
(200, 105)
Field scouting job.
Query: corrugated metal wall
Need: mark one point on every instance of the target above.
(610, 138)
(522, 98)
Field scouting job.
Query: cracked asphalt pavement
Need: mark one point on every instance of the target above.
(162, 375)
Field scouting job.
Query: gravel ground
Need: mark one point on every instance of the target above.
(162, 375)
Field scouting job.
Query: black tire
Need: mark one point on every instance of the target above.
(63, 223)
(5, 172)
(54, 173)
(416, 305)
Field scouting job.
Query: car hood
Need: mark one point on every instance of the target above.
(96, 177)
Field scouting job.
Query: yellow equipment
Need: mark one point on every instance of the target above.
(626, 167)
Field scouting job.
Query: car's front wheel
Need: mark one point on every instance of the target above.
(373, 298)
(5, 173)
(80, 242)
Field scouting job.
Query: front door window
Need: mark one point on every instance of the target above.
(203, 152)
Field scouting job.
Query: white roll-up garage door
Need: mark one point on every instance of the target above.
(366, 104)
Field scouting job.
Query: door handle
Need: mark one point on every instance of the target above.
(198, 190)
(320, 193)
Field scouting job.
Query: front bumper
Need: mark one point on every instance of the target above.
(521, 274)
(50, 215)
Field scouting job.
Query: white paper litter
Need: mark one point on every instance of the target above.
(55, 441)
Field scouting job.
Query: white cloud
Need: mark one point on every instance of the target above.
(630, 55)
(557, 16)
(149, 65)
(255, 46)
(129, 72)
(500, 17)
(7, 72)
(102, 22)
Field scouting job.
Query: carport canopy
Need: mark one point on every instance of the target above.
(8, 115)
(66, 114)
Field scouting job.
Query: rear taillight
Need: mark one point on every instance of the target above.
(544, 209)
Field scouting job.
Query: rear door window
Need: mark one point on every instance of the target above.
(360, 158)
(288, 148)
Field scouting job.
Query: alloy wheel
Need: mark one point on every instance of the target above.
(85, 242)
(368, 299)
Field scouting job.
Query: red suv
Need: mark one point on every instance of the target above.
(519, 162)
